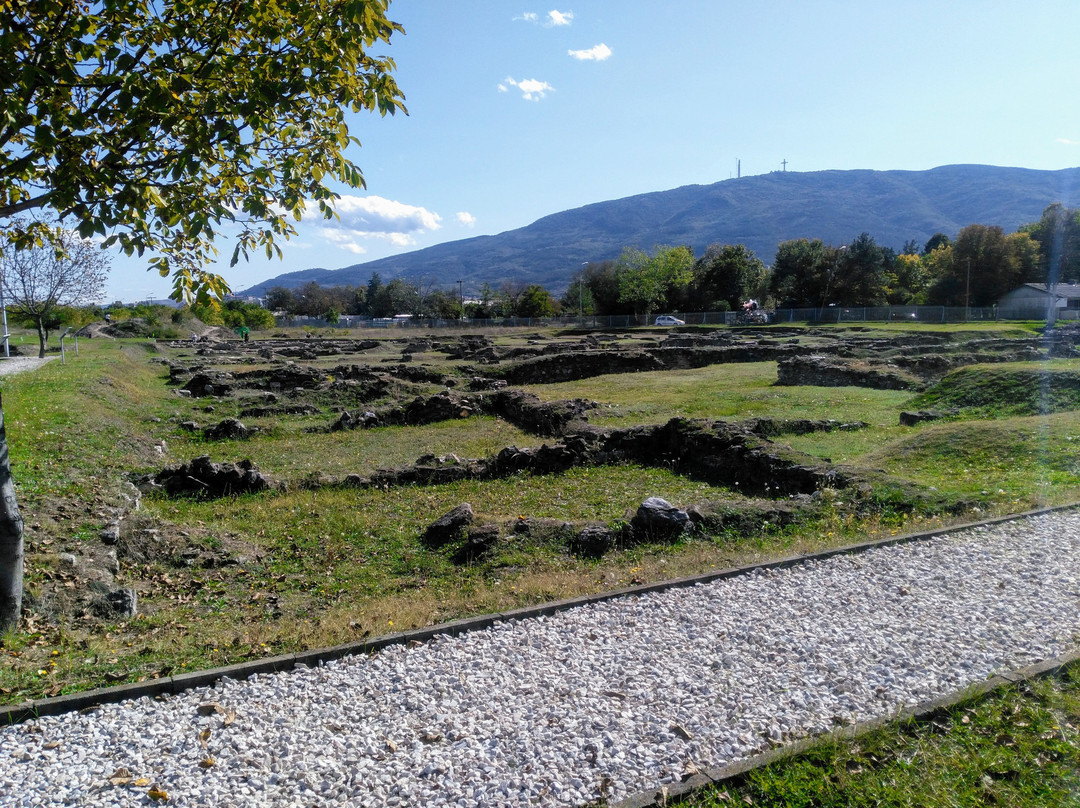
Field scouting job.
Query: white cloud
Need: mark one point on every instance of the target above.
(342, 239)
(377, 215)
(502, 87)
(466, 218)
(597, 53)
(373, 217)
(554, 19)
(1067, 142)
(531, 89)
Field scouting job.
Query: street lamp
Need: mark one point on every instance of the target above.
(828, 279)
(967, 293)
(580, 293)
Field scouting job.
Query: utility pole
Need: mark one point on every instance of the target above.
(461, 297)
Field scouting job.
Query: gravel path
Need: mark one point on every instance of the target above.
(17, 364)
(620, 696)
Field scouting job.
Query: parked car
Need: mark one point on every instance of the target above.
(667, 319)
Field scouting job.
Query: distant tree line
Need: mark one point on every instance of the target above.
(976, 268)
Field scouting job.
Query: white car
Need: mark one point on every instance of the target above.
(667, 319)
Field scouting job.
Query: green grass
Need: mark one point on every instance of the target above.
(71, 427)
(289, 453)
(1019, 748)
(1015, 462)
(1019, 388)
(732, 391)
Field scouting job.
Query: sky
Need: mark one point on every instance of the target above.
(517, 110)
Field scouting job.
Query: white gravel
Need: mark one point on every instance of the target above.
(18, 364)
(621, 696)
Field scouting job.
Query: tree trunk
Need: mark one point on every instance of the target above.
(42, 338)
(11, 541)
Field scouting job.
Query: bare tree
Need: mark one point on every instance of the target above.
(69, 271)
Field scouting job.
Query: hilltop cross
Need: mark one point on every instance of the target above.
(784, 163)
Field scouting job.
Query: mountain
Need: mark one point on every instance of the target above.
(758, 211)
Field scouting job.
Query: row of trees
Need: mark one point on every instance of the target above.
(975, 269)
(402, 296)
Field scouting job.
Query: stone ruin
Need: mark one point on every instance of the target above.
(524, 410)
(205, 479)
(822, 371)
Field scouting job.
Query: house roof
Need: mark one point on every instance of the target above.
(1066, 290)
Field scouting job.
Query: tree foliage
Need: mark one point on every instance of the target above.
(981, 265)
(238, 313)
(862, 271)
(727, 274)
(797, 276)
(599, 279)
(647, 281)
(396, 297)
(37, 281)
(535, 301)
(156, 124)
(1057, 234)
(578, 298)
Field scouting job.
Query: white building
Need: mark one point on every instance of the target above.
(1032, 301)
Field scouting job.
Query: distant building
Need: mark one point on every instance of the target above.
(1032, 300)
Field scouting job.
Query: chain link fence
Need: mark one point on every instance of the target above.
(826, 314)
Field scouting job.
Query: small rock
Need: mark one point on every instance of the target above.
(658, 519)
(449, 527)
(118, 604)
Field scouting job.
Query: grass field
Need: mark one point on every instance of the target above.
(221, 581)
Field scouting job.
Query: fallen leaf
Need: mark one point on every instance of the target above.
(51, 745)
(230, 717)
(682, 733)
(430, 736)
(142, 781)
(204, 736)
(120, 777)
(210, 708)
(207, 763)
(391, 745)
(156, 793)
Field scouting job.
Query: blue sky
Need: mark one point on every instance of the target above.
(518, 110)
